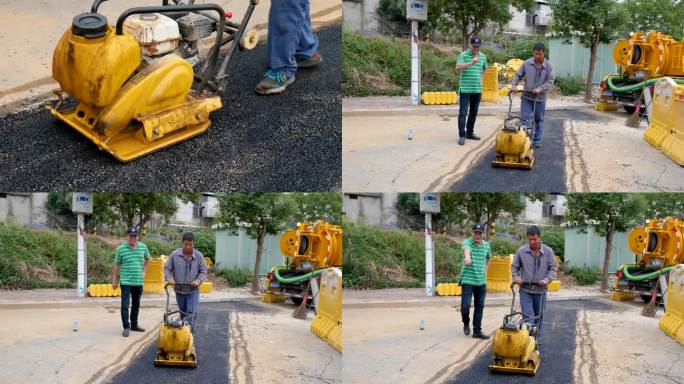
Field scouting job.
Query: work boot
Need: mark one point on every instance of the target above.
(461, 140)
(273, 82)
(137, 328)
(310, 62)
(472, 136)
(480, 335)
(125, 332)
(466, 329)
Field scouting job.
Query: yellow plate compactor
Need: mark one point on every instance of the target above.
(513, 145)
(135, 85)
(513, 347)
(175, 346)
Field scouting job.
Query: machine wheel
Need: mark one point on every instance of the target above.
(629, 109)
(647, 299)
(296, 300)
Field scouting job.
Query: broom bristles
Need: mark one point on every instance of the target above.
(634, 120)
(650, 308)
(303, 308)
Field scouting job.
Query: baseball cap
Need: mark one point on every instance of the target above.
(478, 228)
(475, 40)
(132, 232)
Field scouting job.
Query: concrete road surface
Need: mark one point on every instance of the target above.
(583, 341)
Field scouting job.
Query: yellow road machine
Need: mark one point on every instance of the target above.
(151, 80)
(513, 142)
(175, 346)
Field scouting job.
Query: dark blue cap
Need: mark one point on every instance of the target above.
(132, 232)
(478, 228)
(475, 40)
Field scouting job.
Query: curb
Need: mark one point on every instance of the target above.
(103, 303)
(431, 110)
(452, 301)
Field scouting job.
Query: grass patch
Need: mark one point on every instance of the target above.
(584, 275)
(570, 86)
(235, 277)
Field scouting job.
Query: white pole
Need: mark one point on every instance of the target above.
(429, 257)
(415, 64)
(80, 249)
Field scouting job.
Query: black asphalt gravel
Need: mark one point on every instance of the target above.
(557, 348)
(211, 343)
(547, 174)
(287, 142)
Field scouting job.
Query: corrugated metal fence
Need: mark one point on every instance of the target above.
(572, 60)
(589, 249)
(239, 251)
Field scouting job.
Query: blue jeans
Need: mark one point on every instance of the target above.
(468, 105)
(532, 304)
(289, 35)
(188, 304)
(129, 292)
(526, 107)
(467, 292)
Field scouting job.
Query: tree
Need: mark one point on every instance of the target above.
(649, 15)
(661, 205)
(319, 206)
(137, 208)
(592, 22)
(607, 213)
(470, 17)
(259, 214)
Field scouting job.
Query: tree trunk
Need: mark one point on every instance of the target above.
(464, 35)
(606, 260)
(260, 248)
(588, 93)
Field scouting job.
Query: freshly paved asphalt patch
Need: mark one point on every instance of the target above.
(287, 142)
(547, 173)
(211, 342)
(557, 349)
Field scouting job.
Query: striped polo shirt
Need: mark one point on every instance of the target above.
(131, 262)
(471, 77)
(474, 274)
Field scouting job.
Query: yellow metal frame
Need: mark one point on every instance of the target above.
(513, 150)
(514, 352)
(176, 347)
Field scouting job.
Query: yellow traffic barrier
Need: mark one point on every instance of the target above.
(499, 276)
(328, 322)
(103, 290)
(602, 106)
(512, 67)
(206, 287)
(673, 321)
(208, 262)
(622, 296)
(154, 276)
(439, 98)
(503, 92)
(490, 85)
(673, 145)
(448, 289)
(554, 286)
(268, 297)
(661, 121)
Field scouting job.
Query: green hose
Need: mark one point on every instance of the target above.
(296, 279)
(635, 87)
(646, 276)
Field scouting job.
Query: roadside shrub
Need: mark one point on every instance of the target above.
(235, 277)
(584, 275)
(504, 247)
(555, 238)
(569, 85)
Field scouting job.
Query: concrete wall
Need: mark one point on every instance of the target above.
(360, 15)
(24, 208)
(239, 251)
(371, 208)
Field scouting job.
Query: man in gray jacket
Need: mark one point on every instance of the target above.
(538, 73)
(186, 269)
(533, 268)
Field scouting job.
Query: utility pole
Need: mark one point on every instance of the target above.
(429, 204)
(81, 205)
(416, 10)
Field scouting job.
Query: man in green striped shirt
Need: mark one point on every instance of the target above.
(476, 255)
(130, 265)
(472, 64)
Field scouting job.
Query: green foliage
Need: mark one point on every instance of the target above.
(584, 275)
(158, 247)
(138, 207)
(205, 242)
(554, 237)
(570, 85)
(47, 259)
(504, 247)
(520, 48)
(604, 210)
(258, 213)
(647, 15)
(376, 258)
(235, 277)
(381, 66)
(316, 206)
(661, 205)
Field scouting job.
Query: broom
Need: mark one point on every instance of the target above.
(303, 308)
(635, 119)
(650, 308)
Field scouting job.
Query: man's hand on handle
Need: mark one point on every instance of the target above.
(194, 284)
(517, 280)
